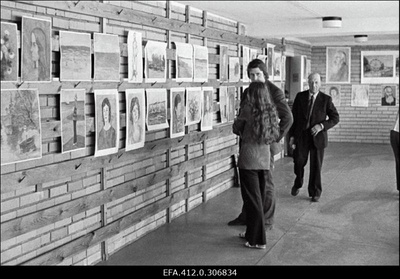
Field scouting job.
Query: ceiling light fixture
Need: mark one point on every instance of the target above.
(361, 38)
(332, 22)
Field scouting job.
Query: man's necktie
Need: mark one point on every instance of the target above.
(310, 103)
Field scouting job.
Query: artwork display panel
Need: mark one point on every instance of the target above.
(21, 134)
(338, 62)
(378, 66)
(207, 110)
(155, 61)
(334, 92)
(223, 63)
(156, 117)
(388, 95)
(270, 60)
(107, 121)
(9, 52)
(277, 66)
(106, 57)
(194, 103)
(177, 105)
(135, 119)
(200, 54)
(253, 54)
(359, 95)
(223, 103)
(73, 119)
(234, 69)
(184, 62)
(135, 57)
(36, 50)
(75, 56)
(231, 103)
(246, 61)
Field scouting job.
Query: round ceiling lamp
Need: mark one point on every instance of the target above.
(332, 22)
(361, 38)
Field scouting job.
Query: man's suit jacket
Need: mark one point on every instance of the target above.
(324, 112)
(283, 109)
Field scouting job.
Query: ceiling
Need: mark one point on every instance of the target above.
(302, 20)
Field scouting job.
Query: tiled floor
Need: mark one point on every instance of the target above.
(356, 221)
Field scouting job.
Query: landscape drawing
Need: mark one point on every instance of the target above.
(156, 117)
(21, 137)
(36, 50)
(106, 57)
(184, 62)
(207, 111)
(194, 103)
(135, 57)
(9, 52)
(135, 118)
(73, 119)
(155, 61)
(378, 66)
(200, 54)
(177, 105)
(234, 69)
(75, 56)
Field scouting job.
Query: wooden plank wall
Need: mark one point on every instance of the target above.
(74, 209)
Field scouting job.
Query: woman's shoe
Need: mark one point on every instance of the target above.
(257, 246)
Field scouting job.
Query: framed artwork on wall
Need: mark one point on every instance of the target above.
(231, 103)
(270, 60)
(388, 95)
(253, 54)
(155, 61)
(246, 60)
(106, 57)
(36, 50)
(75, 56)
(223, 103)
(277, 66)
(21, 134)
(334, 92)
(200, 67)
(73, 119)
(184, 62)
(359, 95)
(223, 63)
(338, 62)
(234, 69)
(107, 121)
(9, 52)
(177, 104)
(207, 111)
(135, 57)
(378, 66)
(135, 118)
(194, 103)
(156, 117)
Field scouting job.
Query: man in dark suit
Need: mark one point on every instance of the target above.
(257, 71)
(314, 114)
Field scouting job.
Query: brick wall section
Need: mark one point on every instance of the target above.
(370, 124)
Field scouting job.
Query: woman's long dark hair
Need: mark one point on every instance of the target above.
(265, 125)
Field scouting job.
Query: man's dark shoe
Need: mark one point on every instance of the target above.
(295, 191)
(315, 199)
(236, 222)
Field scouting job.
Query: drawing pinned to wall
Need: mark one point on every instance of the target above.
(207, 110)
(334, 92)
(359, 95)
(9, 52)
(234, 69)
(231, 103)
(223, 63)
(270, 60)
(135, 118)
(338, 61)
(194, 103)
(246, 61)
(75, 56)
(155, 61)
(184, 62)
(223, 103)
(156, 117)
(36, 50)
(106, 57)
(21, 137)
(135, 57)
(177, 101)
(200, 54)
(388, 95)
(253, 54)
(107, 121)
(73, 120)
(277, 66)
(378, 66)
(283, 68)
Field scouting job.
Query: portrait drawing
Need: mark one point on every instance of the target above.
(73, 120)
(359, 95)
(194, 103)
(207, 111)
(9, 52)
(135, 118)
(388, 95)
(177, 105)
(36, 50)
(334, 92)
(135, 57)
(338, 62)
(21, 136)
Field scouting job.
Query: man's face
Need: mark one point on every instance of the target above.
(314, 82)
(256, 75)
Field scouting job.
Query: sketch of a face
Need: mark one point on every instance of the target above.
(135, 110)
(106, 111)
(388, 91)
(333, 92)
(34, 50)
(178, 106)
